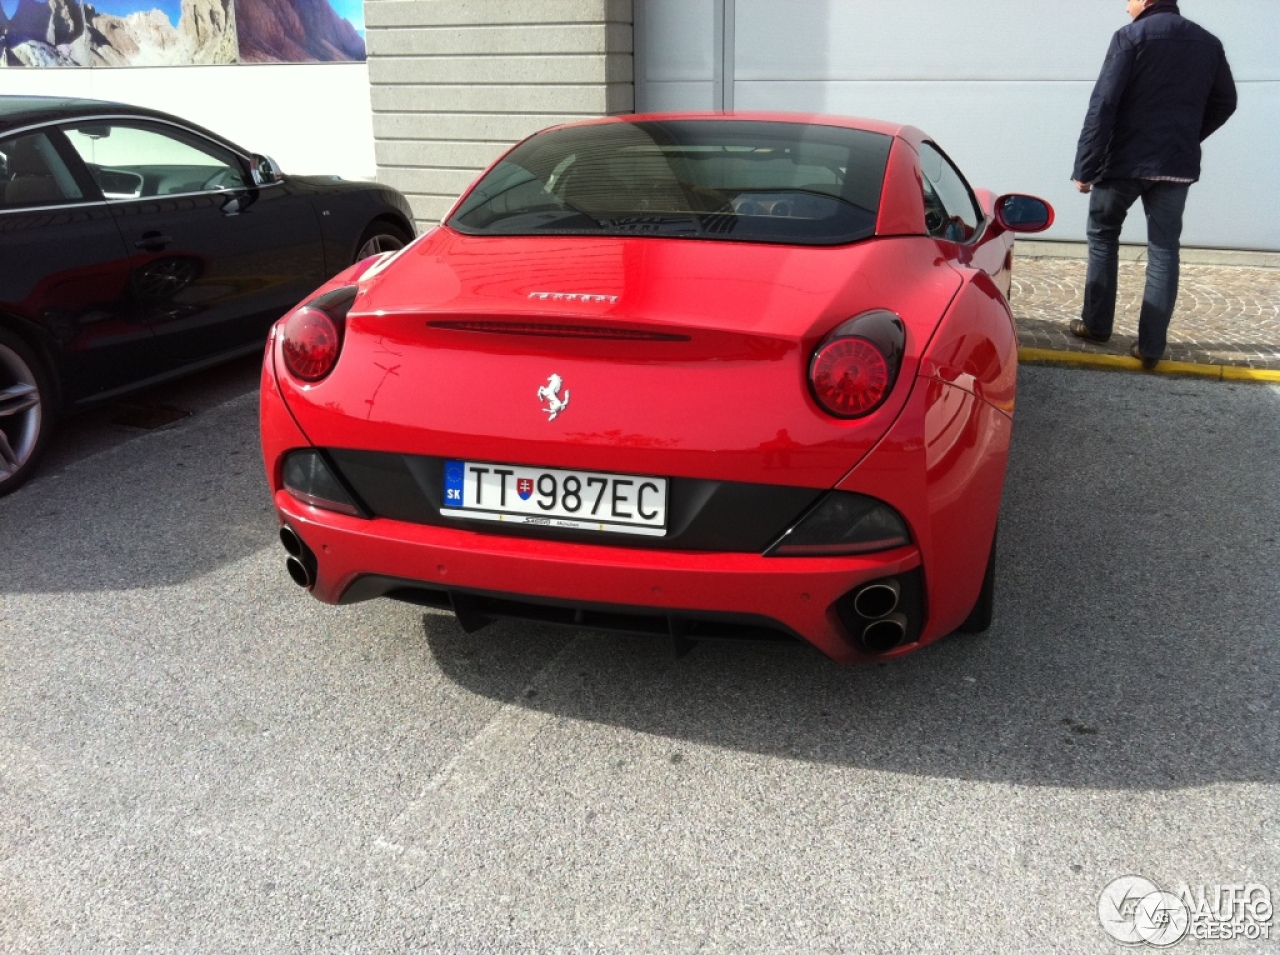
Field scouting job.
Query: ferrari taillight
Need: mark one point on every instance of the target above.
(311, 337)
(854, 369)
(850, 376)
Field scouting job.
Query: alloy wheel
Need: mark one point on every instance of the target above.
(21, 413)
(378, 243)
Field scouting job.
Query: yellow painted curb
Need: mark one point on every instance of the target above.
(1237, 373)
(1076, 359)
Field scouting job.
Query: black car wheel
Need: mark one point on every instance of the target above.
(26, 412)
(983, 611)
(382, 237)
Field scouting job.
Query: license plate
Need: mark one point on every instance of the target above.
(550, 497)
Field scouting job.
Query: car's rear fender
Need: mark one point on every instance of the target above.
(975, 346)
(280, 432)
(942, 464)
(41, 342)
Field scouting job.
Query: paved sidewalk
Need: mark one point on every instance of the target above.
(1227, 316)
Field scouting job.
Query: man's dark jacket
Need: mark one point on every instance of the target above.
(1165, 86)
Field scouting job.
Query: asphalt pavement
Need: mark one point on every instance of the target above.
(196, 757)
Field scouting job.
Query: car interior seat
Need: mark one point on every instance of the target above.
(597, 195)
(30, 180)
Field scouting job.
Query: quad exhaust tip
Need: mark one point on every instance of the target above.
(877, 599)
(885, 634)
(301, 562)
(883, 628)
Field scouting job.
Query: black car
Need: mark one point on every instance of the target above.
(135, 247)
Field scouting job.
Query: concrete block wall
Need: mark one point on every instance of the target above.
(454, 83)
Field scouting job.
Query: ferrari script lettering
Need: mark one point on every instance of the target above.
(572, 297)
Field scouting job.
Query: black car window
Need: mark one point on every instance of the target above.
(950, 210)
(130, 161)
(34, 174)
(746, 180)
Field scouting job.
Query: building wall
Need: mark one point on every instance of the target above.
(286, 111)
(454, 83)
(450, 84)
(1001, 84)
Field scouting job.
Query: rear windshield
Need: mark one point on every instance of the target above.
(738, 180)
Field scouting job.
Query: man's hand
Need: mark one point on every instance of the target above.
(1084, 187)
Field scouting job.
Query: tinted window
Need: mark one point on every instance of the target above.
(950, 210)
(130, 161)
(732, 179)
(34, 174)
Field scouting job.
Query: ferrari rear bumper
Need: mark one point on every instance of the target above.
(480, 575)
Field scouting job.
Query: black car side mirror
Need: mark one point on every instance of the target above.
(264, 170)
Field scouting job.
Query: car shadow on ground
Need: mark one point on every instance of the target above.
(112, 510)
(1135, 637)
(1134, 645)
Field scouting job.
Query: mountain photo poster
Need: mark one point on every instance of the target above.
(105, 33)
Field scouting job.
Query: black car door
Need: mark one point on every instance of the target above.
(64, 269)
(215, 259)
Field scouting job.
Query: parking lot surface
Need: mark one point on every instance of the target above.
(197, 757)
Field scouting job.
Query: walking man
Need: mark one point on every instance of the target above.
(1165, 86)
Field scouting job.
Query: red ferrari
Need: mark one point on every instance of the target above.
(707, 376)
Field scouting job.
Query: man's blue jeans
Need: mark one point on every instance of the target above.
(1109, 203)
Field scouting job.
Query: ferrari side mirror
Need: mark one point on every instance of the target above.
(1018, 213)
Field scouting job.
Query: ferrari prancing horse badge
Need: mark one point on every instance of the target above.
(550, 393)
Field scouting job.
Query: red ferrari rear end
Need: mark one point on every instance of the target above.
(695, 376)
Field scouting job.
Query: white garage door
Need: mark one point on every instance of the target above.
(1002, 85)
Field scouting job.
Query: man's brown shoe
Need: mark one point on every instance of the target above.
(1147, 363)
(1081, 330)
